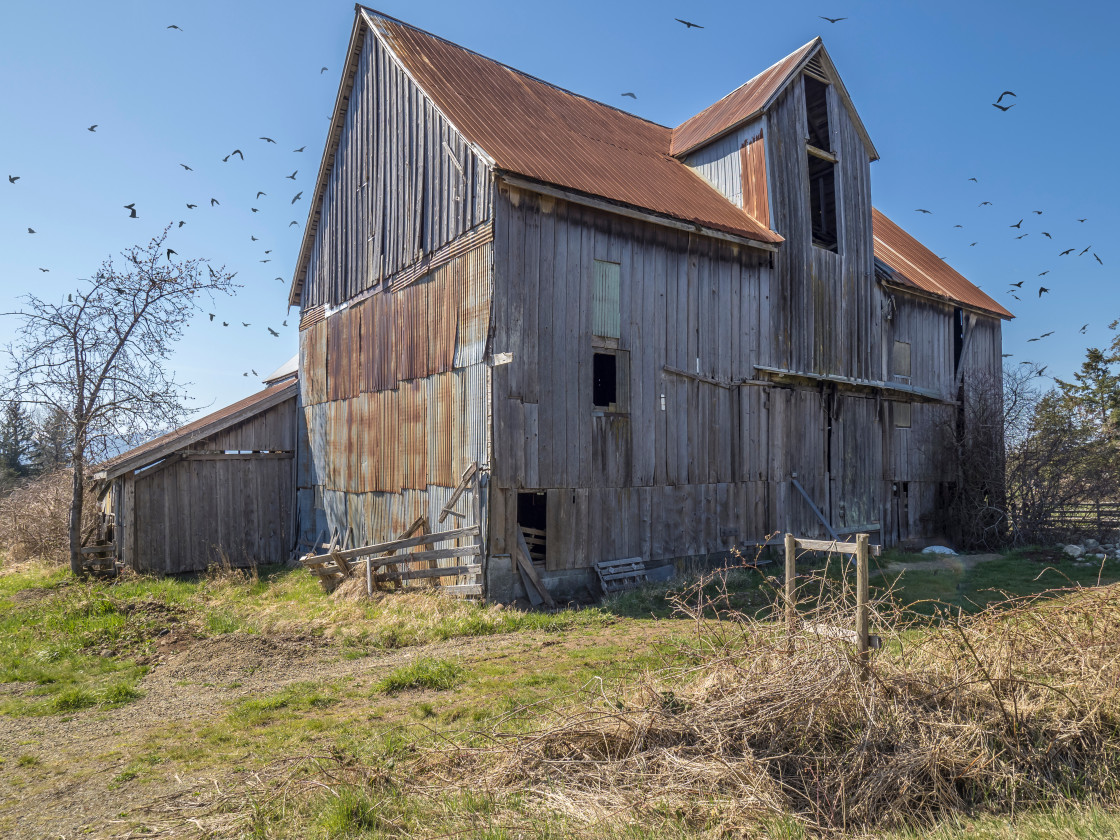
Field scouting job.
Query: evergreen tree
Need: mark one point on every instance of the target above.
(1095, 392)
(53, 442)
(16, 440)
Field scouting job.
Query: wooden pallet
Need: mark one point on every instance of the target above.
(620, 575)
(100, 560)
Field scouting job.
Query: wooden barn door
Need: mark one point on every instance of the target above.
(855, 462)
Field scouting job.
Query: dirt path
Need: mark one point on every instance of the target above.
(66, 764)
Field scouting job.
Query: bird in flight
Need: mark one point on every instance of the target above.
(132, 208)
(173, 26)
(273, 332)
(1018, 285)
(982, 203)
(1020, 237)
(186, 167)
(266, 261)
(253, 238)
(214, 201)
(292, 177)
(300, 149)
(927, 212)
(211, 316)
(1006, 93)
(322, 70)
(293, 222)
(974, 180)
(688, 24)
(1043, 273)
(958, 226)
(253, 372)
(631, 95)
(191, 206)
(1067, 251)
(225, 323)
(92, 127)
(973, 244)
(1048, 236)
(1042, 290)
(1083, 328)
(13, 178)
(254, 209)
(267, 140)
(1085, 251)
(1037, 212)
(1098, 259)
(44, 270)
(1045, 335)
(1018, 224)
(1082, 220)
(1003, 107)
(298, 194)
(260, 193)
(831, 20)
(1029, 340)
(245, 325)
(31, 230)
(170, 252)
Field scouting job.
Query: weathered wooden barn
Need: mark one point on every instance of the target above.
(656, 342)
(221, 489)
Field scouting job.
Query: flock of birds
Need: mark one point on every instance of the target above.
(1015, 288)
(133, 213)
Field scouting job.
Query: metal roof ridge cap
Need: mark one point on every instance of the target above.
(633, 210)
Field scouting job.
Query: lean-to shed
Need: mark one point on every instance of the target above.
(219, 489)
(656, 342)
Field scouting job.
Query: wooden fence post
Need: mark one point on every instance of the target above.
(862, 597)
(791, 577)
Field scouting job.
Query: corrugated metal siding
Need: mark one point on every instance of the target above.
(756, 199)
(313, 364)
(719, 162)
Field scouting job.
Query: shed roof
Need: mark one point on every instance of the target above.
(914, 265)
(162, 446)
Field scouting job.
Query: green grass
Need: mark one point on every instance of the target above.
(295, 698)
(1018, 573)
(435, 674)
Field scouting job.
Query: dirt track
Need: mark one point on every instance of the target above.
(69, 791)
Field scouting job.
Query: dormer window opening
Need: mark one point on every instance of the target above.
(821, 166)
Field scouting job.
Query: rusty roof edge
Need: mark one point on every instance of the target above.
(147, 456)
(797, 68)
(916, 291)
(634, 211)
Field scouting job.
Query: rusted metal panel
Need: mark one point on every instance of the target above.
(474, 292)
(756, 201)
(545, 133)
(743, 103)
(313, 364)
(915, 265)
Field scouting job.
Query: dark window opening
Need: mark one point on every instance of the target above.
(604, 373)
(822, 202)
(816, 113)
(902, 415)
(532, 519)
(958, 338)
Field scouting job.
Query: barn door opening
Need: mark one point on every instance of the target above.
(532, 519)
(855, 468)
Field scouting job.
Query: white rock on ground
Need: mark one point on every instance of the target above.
(1074, 551)
(938, 549)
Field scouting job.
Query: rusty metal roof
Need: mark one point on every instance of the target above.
(539, 131)
(162, 446)
(743, 103)
(915, 265)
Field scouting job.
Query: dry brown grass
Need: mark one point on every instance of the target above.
(34, 517)
(1016, 706)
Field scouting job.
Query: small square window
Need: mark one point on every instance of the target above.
(902, 415)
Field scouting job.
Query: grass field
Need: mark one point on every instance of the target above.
(253, 705)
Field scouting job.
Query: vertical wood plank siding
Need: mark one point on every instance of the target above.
(404, 183)
(184, 515)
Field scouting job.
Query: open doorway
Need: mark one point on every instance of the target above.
(532, 519)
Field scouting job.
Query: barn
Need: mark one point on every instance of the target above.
(219, 490)
(650, 342)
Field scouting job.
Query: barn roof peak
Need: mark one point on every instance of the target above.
(755, 96)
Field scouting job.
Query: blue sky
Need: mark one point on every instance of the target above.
(923, 77)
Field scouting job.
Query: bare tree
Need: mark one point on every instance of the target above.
(99, 358)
